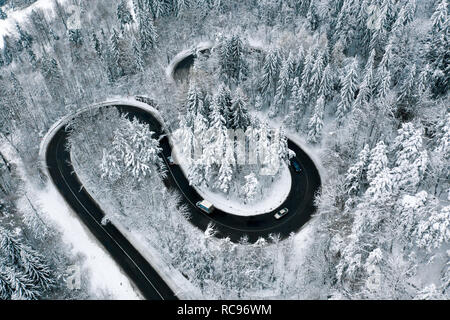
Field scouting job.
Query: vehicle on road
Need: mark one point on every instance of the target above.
(170, 160)
(296, 166)
(280, 214)
(205, 206)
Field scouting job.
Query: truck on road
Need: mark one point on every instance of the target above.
(205, 206)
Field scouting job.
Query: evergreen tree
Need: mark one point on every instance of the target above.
(316, 123)
(97, 46)
(194, 103)
(137, 54)
(225, 175)
(3, 15)
(317, 73)
(408, 91)
(25, 41)
(326, 83)
(411, 158)
(240, 118)
(438, 52)
(250, 187)
(270, 71)
(147, 32)
(124, 15)
(378, 161)
(384, 86)
(308, 66)
(223, 101)
(282, 92)
(218, 121)
(349, 86)
(8, 51)
(232, 62)
(367, 84)
(312, 17)
(356, 174)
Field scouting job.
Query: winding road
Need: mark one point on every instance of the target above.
(300, 202)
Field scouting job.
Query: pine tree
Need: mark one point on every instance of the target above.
(356, 174)
(148, 35)
(250, 187)
(423, 81)
(438, 52)
(380, 187)
(316, 123)
(3, 15)
(384, 86)
(367, 84)
(216, 116)
(433, 231)
(36, 269)
(326, 83)
(349, 86)
(317, 73)
(137, 54)
(181, 6)
(312, 17)
(232, 62)
(270, 71)
(408, 91)
(114, 57)
(240, 118)
(308, 66)
(25, 41)
(124, 15)
(283, 91)
(223, 101)
(411, 158)
(378, 161)
(295, 101)
(8, 51)
(225, 175)
(97, 46)
(135, 152)
(5, 288)
(194, 103)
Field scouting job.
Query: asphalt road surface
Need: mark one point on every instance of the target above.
(300, 203)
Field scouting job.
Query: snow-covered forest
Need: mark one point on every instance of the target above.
(362, 83)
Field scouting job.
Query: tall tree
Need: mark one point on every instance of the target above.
(315, 125)
(349, 86)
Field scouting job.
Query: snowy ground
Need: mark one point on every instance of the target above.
(106, 279)
(8, 25)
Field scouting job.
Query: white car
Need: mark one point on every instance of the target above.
(280, 214)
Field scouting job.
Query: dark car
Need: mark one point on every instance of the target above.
(296, 166)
